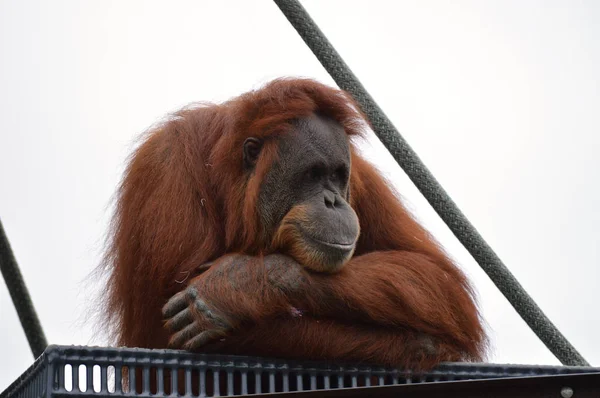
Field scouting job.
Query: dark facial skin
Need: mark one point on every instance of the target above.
(312, 172)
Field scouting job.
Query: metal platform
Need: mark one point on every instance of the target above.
(71, 371)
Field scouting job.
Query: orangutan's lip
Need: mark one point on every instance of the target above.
(339, 246)
(345, 247)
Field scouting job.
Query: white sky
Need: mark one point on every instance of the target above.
(500, 99)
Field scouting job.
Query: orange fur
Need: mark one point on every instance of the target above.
(184, 201)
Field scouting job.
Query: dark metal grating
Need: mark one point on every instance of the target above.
(65, 371)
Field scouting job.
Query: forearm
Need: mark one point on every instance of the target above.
(391, 297)
(249, 287)
(309, 338)
(401, 289)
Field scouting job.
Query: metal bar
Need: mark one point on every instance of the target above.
(560, 386)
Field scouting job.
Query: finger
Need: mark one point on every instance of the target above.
(202, 339)
(184, 335)
(180, 320)
(204, 267)
(209, 314)
(176, 304)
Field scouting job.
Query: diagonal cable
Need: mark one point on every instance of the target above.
(20, 297)
(429, 187)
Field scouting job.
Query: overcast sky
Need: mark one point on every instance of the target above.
(500, 99)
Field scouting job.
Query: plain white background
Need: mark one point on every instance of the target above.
(500, 99)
